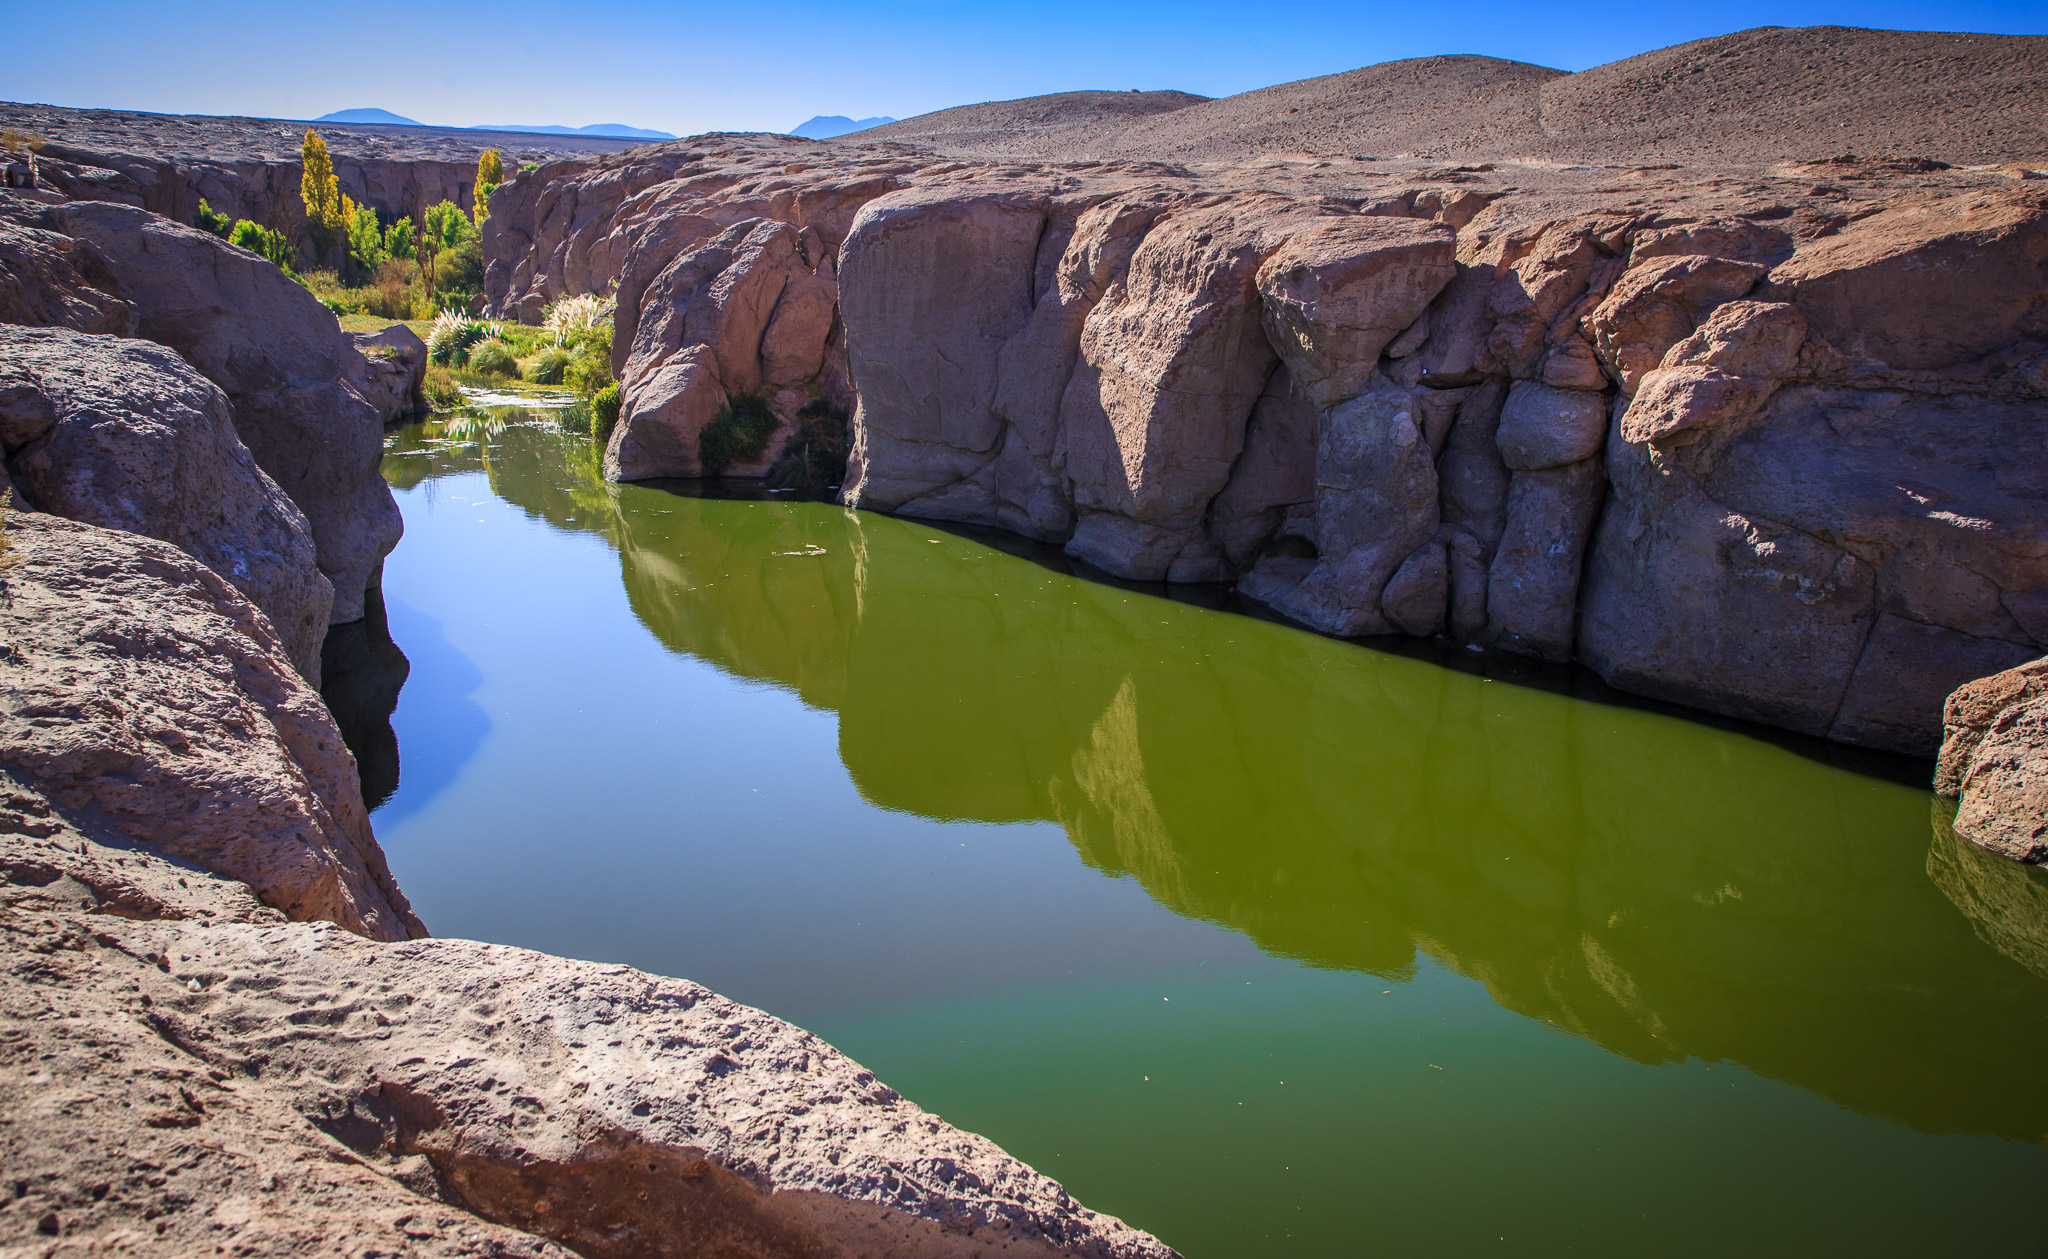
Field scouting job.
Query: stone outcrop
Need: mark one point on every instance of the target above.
(123, 434)
(1994, 761)
(272, 348)
(149, 704)
(1755, 450)
(194, 1053)
(388, 371)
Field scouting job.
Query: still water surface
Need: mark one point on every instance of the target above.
(1268, 943)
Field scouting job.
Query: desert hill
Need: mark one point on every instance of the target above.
(1034, 125)
(1761, 95)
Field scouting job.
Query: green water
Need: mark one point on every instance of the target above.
(1270, 944)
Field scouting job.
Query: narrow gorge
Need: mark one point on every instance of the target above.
(1455, 622)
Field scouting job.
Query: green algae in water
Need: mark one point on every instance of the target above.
(1270, 944)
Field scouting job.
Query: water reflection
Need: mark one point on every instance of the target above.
(361, 672)
(1660, 887)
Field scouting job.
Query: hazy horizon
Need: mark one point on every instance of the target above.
(630, 62)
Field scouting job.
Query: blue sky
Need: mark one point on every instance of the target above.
(696, 67)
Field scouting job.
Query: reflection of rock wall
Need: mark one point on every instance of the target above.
(2007, 904)
(1761, 458)
(1663, 889)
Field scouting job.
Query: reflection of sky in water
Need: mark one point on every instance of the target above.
(1585, 977)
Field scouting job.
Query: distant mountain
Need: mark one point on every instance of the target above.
(825, 126)
(614, 130)
(368, 115)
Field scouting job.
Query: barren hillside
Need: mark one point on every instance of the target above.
(1755, 96)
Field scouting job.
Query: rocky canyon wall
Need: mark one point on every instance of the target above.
(1763, 441)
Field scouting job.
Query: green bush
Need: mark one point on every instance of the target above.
(453, 334)
(493, 358)
(260, 240)
(604, 413)
(460, 268)
(550, 367)
(739, 432)
(212, 220)
(814, 459)
(438, 387)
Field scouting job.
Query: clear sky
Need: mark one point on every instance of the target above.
(690, 67)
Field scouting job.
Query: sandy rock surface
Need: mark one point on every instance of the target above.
(122, 433)
(150, 704)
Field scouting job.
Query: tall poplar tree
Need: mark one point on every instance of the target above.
(490, 172)
(320, 189)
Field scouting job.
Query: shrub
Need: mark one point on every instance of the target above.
(550, 367)
(814, 458)
(494, 358)
(438, 387)
(452, 335)
(604, 413)
(212, 220)
(260, 240)
(739, 432)
(568, 318)
(460, 268)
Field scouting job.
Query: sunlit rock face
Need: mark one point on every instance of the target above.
(1756, 451)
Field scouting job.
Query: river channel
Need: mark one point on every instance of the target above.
(1271, 944)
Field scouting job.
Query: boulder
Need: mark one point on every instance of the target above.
(1543, 427)
(1657, 303)
(387, 371)
(282, 361)
(123, 434)
(50, 280)
(152, 705)
(1994, 761)
(1340, 289)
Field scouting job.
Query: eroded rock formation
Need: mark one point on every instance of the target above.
(288, 373)
(1747, 440)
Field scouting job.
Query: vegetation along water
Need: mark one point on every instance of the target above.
(1269, 943)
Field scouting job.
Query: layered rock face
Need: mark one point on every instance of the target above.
(219, 1026)
(288, 373)
(1758, 440)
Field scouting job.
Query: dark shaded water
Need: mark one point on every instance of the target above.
(1268, 943)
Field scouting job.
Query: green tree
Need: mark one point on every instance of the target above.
(446, 224)
(320, 190)
(401, 239)
(365, 238)
(490, 172)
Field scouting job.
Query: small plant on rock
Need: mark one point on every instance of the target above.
(212, 220)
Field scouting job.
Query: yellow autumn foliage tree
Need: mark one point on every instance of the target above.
(320, 190)
(490, 172)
